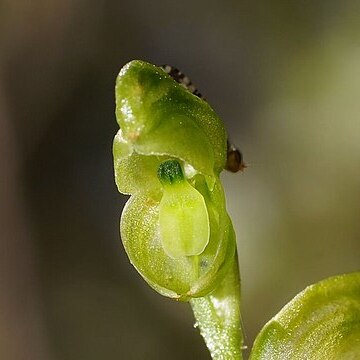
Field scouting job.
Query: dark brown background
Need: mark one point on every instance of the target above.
(285, 78)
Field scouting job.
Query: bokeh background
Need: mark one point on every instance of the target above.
(285, 78)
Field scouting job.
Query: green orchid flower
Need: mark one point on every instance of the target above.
(168, 154)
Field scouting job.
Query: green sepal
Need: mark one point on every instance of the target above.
(320, 323)
(187, 276)
(154, 113)
(135, 173)
(218, 317)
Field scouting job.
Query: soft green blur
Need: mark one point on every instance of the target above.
(284, 78)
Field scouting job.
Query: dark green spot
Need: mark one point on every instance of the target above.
(170, 172)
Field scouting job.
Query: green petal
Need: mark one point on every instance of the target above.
(321, 323)
(184, 221)
(183, 217)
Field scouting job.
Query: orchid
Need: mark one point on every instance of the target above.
(168, 156)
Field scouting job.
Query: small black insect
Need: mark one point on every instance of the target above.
(234, 161)
(182, 79)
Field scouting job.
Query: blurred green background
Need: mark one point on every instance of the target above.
(284, 77)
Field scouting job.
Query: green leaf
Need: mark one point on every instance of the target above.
(320, 323)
